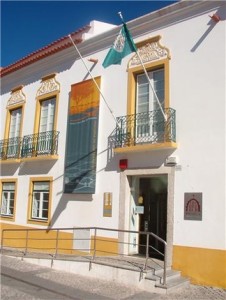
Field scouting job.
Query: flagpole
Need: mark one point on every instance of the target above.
(145, 71)
(92, 78)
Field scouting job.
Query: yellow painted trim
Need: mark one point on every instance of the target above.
(52, 75)
(202, 266)
(45, 241)
(133, 72)
(41, 157)
(105, 246)
(10, 161)
(8, 119)
(29, 218)
(26, 159)
(9, 218)
(147, 147)
(17, 88)
(148, 41)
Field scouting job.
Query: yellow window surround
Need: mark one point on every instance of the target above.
(5, 217)
(49, 88)
(154, 56)
(30, 220)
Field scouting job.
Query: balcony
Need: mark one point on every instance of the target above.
(44, 144)
(145, 131)
(10, 148)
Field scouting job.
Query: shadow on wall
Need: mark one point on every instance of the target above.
(36, 77)
(62, 205)
(218, 16)
(36, 167)
(9, 169)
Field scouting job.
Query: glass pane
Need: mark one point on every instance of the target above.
(8, 186)
(41, 186)
(46, 196)
(45, 214)
(143, 89)
(141, 79)
(4, 203)
(35, 205)
(37, 196)
(45, 205)
(158, 77)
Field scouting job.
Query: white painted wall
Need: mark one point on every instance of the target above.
(197, 92)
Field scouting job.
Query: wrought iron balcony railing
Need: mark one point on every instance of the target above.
(43, 143)
(145, 128)
(10, 148)
(40, 144)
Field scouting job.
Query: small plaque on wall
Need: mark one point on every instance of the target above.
(107, 205)
(193, 206)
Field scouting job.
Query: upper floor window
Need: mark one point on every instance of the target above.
(47, 115)
(15, 122)
(10, 146)
(145, 99)
(44, 140)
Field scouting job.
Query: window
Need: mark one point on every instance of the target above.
(146, 100)
(11, 146)
(15, 121)
(44, 140)
(47, 115)
(40, 197)
(150, 121)
(40, 200)
(8, 199)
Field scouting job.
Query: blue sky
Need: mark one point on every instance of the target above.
(27, 26)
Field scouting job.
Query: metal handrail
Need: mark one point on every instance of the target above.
(94, 249)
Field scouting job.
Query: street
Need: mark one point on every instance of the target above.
(22, 280)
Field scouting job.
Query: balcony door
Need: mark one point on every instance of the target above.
(150, 121)
(14, 132)
(47, 115)
(46, 126)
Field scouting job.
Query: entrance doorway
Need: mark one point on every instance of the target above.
(149, 211)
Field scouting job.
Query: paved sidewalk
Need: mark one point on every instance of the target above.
(71, 285)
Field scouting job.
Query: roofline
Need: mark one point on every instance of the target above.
(46, 51)
(135, 25)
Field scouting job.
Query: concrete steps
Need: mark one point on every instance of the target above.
(174, 279)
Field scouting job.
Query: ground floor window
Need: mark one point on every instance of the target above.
(40, 199)
(8, 199)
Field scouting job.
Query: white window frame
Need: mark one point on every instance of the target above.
(15, 118)
(6, 201)
(145, 127)
(37, 209)
(48, 124)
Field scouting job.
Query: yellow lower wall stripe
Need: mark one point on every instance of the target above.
(202, 266)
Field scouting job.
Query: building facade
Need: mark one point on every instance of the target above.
(76, 156)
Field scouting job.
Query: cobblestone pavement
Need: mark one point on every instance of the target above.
(97, 288)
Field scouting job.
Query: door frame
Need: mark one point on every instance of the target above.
(124, 206)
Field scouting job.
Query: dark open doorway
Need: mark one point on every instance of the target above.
(153, 194)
